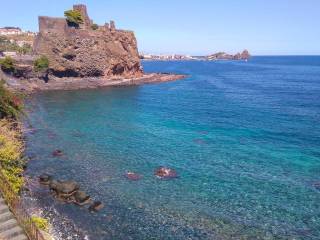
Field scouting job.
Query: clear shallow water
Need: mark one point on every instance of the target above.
(243, 137)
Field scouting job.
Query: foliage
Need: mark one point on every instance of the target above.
(41, 63)
(7, 64)
(11, 149)
(40, 222)
(74, 17)
(11, 46)
(25, 49)
(94, 26)
(10, 104)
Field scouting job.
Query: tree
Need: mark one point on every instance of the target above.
(74, 17)
(41, 63)
(94, 26)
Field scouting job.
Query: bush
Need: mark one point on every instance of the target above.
(7, 64)
(11, 149)
(94, 26)
(40, 222)
(74, 17)
(10, 104)
(41, 63)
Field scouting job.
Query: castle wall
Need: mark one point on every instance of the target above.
(49, 24)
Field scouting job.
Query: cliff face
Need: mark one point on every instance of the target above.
(82, 52)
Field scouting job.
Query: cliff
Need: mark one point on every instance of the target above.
(84, 52)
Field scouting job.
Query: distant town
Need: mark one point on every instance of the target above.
(245, 55)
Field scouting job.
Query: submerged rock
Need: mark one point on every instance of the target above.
(57, 153)
(45, 179)
(317, 185)
(96, 206)
(165, 173)
(133, 176)
(81, 198)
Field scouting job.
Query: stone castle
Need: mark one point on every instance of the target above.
(85, 51)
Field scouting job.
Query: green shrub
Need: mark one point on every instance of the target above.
(41, 63)
(40, 222)
(74, 17)
(11, 104)
(7, 64)
(94, 26)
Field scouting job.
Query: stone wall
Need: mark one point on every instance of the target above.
(49, 24)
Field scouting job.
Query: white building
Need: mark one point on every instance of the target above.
(10, 31)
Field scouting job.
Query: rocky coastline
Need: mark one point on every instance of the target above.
(75, 83)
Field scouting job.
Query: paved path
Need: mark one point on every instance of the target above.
(9, 227)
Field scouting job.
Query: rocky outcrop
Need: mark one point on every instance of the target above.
(245, 55)
(84, 52)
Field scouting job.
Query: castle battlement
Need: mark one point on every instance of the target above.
(60, 25)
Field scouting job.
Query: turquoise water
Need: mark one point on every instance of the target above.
(244, 138)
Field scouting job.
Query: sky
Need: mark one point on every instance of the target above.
(194, 27)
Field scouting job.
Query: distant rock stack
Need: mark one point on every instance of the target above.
(85, 52)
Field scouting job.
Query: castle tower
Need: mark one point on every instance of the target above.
(112, 26)
(87, 22)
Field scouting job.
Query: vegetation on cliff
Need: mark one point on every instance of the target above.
(10, 103)
(11, 145)
(11, 148)
(41, 63)
(74, 17)
(7, 64)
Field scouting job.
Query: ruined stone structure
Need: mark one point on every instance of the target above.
(84, 52)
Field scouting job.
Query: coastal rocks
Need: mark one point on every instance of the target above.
(165, 173)
(64, 188)
(96, 206)
(57, 153)
(69, 192)
(133, 176)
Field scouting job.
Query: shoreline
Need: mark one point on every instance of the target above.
(76, 83)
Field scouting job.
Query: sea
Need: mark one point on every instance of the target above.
(243, 137)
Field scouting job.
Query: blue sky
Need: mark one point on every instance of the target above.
(264, 27)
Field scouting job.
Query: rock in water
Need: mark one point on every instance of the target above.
(57, 153)
(45, 179)
(83, 52)
(64, 188)
(81, 198)
(96, 206)
(165, 173)
(132, 176)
